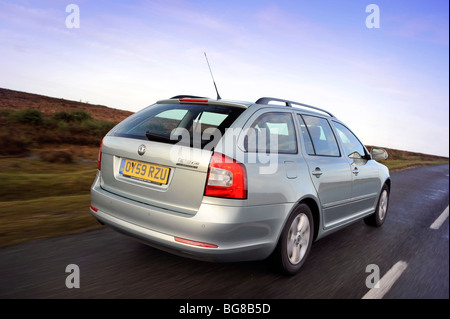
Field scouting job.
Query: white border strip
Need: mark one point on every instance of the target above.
(387, 281)
(440, 220)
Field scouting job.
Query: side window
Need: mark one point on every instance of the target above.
(352, 146)
(306, 138)
(272, 132)
(322, 136)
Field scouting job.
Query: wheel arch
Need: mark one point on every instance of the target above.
(388, 183)
(277, 257)
(314, 207)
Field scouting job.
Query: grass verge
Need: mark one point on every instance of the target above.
(26, 220)
(40, 199)
(398, 165)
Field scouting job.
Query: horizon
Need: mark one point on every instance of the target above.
(387, 81)
(100, 105)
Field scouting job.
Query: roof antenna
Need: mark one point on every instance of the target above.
(218, 96)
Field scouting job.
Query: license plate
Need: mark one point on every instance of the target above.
(144, 171)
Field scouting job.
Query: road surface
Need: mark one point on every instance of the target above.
(412, 260)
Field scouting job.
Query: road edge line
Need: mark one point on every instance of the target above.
(440, 220)
(387, 281)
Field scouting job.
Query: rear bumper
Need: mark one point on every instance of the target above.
(240, 233)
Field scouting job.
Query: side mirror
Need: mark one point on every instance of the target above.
(379, 154)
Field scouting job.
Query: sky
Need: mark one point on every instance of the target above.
(384, 72)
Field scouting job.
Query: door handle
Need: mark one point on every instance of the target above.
(317, 172)
(355, 171)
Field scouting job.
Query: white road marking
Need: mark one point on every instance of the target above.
(440, 220)
(387, 281)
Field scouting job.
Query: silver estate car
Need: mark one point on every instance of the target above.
(221, 180)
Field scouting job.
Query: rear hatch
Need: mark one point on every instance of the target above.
(160, 155)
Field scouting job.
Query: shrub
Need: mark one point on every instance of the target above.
(5, 113)
(80, 116)
(31, 127)
(74, 116)
(96, 127)
(28, 116)
(62, 116)
(63, 126)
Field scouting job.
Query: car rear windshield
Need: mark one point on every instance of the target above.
(178, 123)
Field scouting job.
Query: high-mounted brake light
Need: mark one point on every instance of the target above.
(226, 178)
(193, 100)
(99, 158)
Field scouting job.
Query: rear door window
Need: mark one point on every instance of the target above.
(321, 135)
(306, 138)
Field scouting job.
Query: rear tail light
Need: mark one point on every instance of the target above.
(226, 178)
(99, 158)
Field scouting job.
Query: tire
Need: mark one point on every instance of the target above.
(377, 219)
(295, 241)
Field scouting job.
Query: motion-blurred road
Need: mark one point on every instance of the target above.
(114, 266)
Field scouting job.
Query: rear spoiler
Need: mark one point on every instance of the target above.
(190, 99)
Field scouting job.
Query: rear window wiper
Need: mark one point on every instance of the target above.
(174, 139)
(165, 138)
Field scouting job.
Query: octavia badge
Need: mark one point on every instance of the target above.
(141, 149)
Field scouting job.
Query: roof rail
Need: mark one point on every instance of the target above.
(188, 97)
(267, 100)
